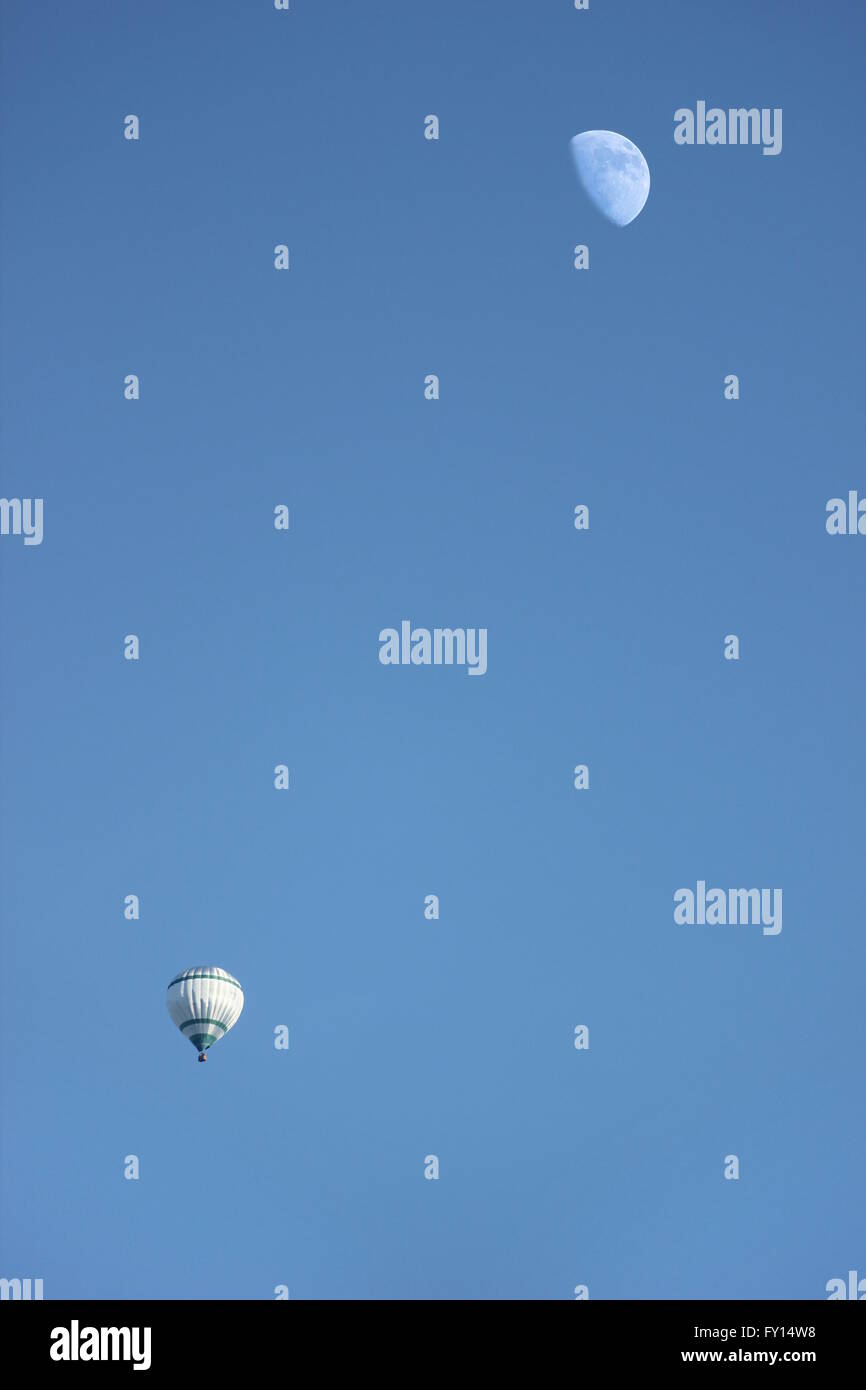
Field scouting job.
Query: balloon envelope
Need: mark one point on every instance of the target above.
(205, 1003)
(613, 173)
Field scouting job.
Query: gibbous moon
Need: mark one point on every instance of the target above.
(613, 173)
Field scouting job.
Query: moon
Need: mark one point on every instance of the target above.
(613, 174)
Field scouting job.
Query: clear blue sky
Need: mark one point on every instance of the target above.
(409, 1038)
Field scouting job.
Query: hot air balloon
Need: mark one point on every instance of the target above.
(204, 1003)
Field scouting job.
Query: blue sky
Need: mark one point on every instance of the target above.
(558, 387)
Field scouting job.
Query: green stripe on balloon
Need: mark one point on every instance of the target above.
(224, 979)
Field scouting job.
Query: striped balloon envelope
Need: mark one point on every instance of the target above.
(204, 1003)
